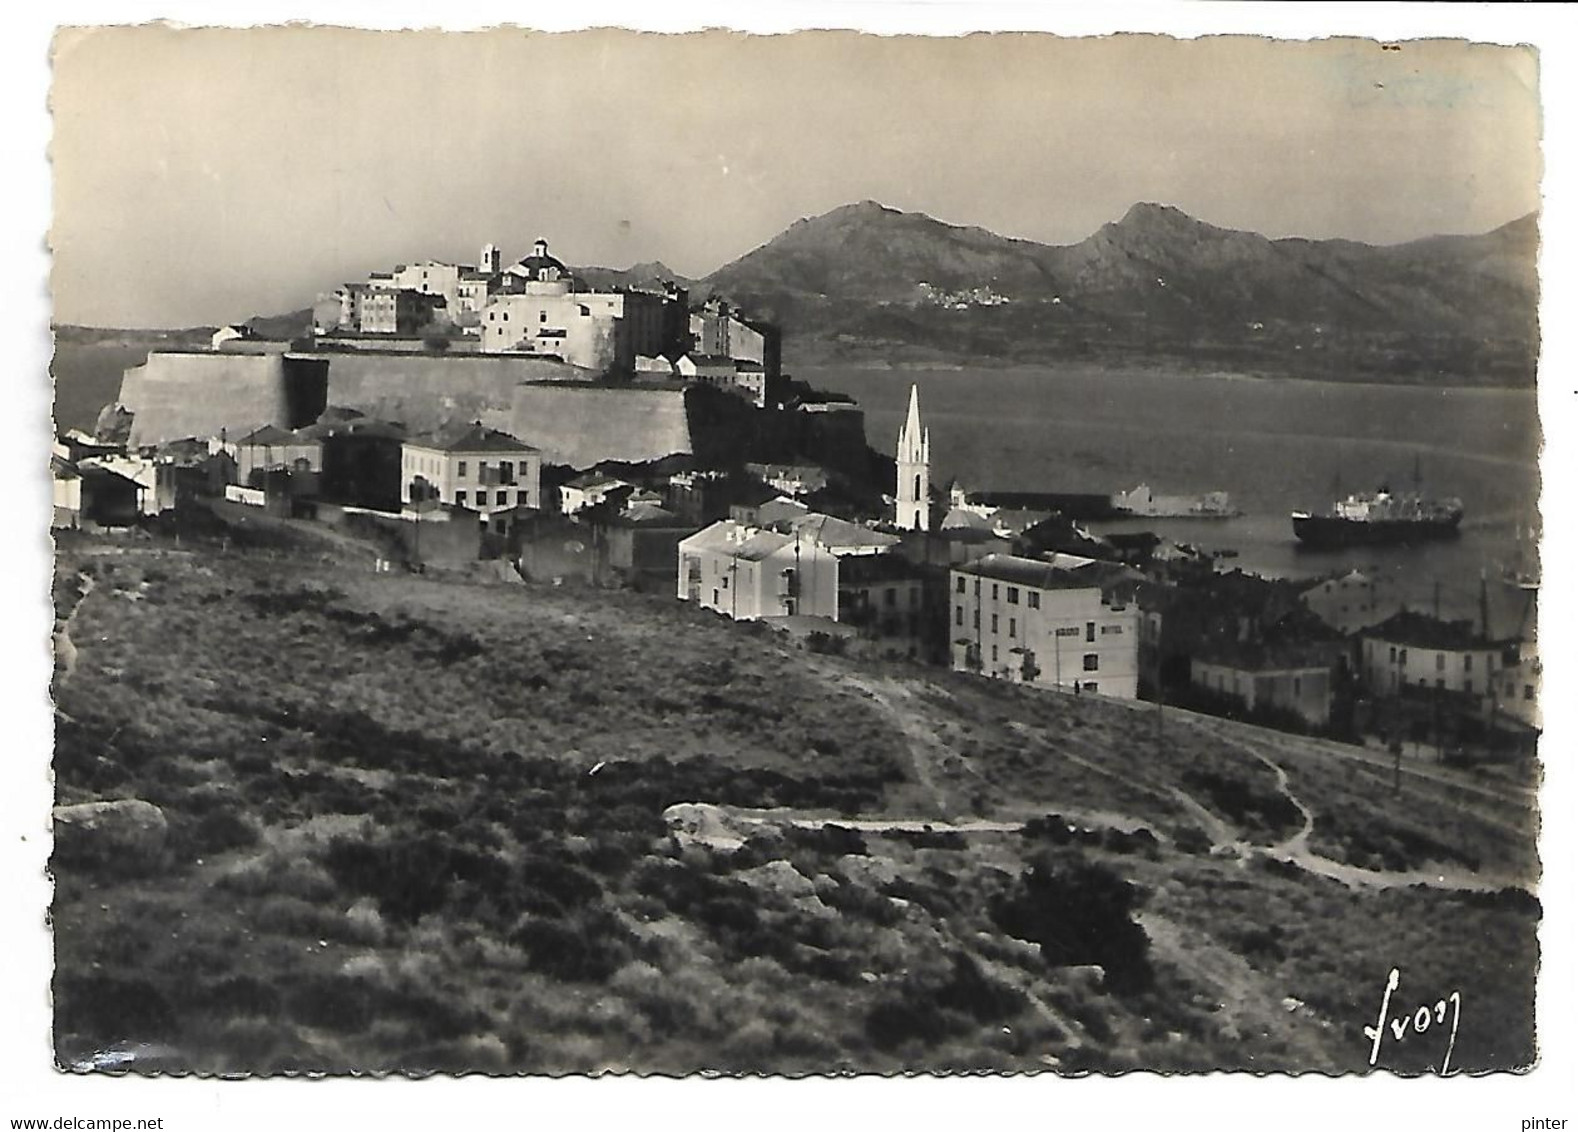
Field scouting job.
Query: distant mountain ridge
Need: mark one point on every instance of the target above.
(869, 284)
(865, 280)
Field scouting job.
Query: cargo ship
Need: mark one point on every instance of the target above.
(1381, 517)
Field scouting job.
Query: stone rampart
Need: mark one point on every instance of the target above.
(203, 393)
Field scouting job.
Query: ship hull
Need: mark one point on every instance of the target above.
(1329, 531)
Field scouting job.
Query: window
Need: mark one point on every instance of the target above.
(1468, 685)
(890, 597)
(958, 585)
(1468, 662)
(1090, 630)
(994, 622)
(978, 587)
(460, 471)
(1089, 686)
(994, 654)
(1440, 662)
(1297, 686)
(542, 316)
(1391, 655)
(725, 581)
(460, 499)
(500, 498)
(994, 591)
(975, 620)
(1013, 595)
(524, 468)
(958, 616)
(1402, 656)
(520, 497)
(1035, 600)
(1528, 691)
(715, 600)
(1013, 627)
(1092, 662)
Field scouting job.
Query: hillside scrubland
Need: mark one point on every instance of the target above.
(419, 825)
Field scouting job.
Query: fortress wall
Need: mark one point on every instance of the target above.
(426, 390)
(177, 395)
(580, 425)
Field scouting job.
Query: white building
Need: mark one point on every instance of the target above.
(588, 490)
(747, 573)
(478, 468)
(912, 507)
(1037, 623)
(1414, 653)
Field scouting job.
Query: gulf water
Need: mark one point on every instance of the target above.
(1275, 445)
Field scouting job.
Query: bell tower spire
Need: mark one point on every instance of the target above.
(912, 500)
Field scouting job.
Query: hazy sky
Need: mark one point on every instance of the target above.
(207, 175)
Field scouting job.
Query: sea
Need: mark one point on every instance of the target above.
(1274, 444)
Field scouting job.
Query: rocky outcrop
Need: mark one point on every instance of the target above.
(114, 424)
(126, 835)
(701, 823)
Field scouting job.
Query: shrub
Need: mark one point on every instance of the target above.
(586, 948)
(911, 1015)
(220, 830)
(107, 1009)
(1080, 913)
(971, 992)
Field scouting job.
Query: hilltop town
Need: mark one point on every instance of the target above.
(456, 414)
(581, 645)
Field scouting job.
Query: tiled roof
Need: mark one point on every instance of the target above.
(1262, 656)
(1420, 630)
(1029, 572)
(595, 479)
(829, 531)
(271, 435)
(469, 438)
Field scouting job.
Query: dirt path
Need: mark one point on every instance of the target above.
(927, 752)
(1296, 850)
(1250, 1003)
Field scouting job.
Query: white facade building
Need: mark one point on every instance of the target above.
(478, 468)
(747, 573)
(1033, 622)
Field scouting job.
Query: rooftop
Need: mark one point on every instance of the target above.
(1030, 572)
(474, 437)
(272, 435)
(1264, 656)
(830, 531)
(1424, 631)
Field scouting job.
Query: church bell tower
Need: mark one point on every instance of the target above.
(912, 506)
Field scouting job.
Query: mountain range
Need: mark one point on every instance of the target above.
(870, 285)
(866, 283)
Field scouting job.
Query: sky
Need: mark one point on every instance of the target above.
(205, 175)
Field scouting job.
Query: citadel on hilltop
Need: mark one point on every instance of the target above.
(538, 307)
(629, 372)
